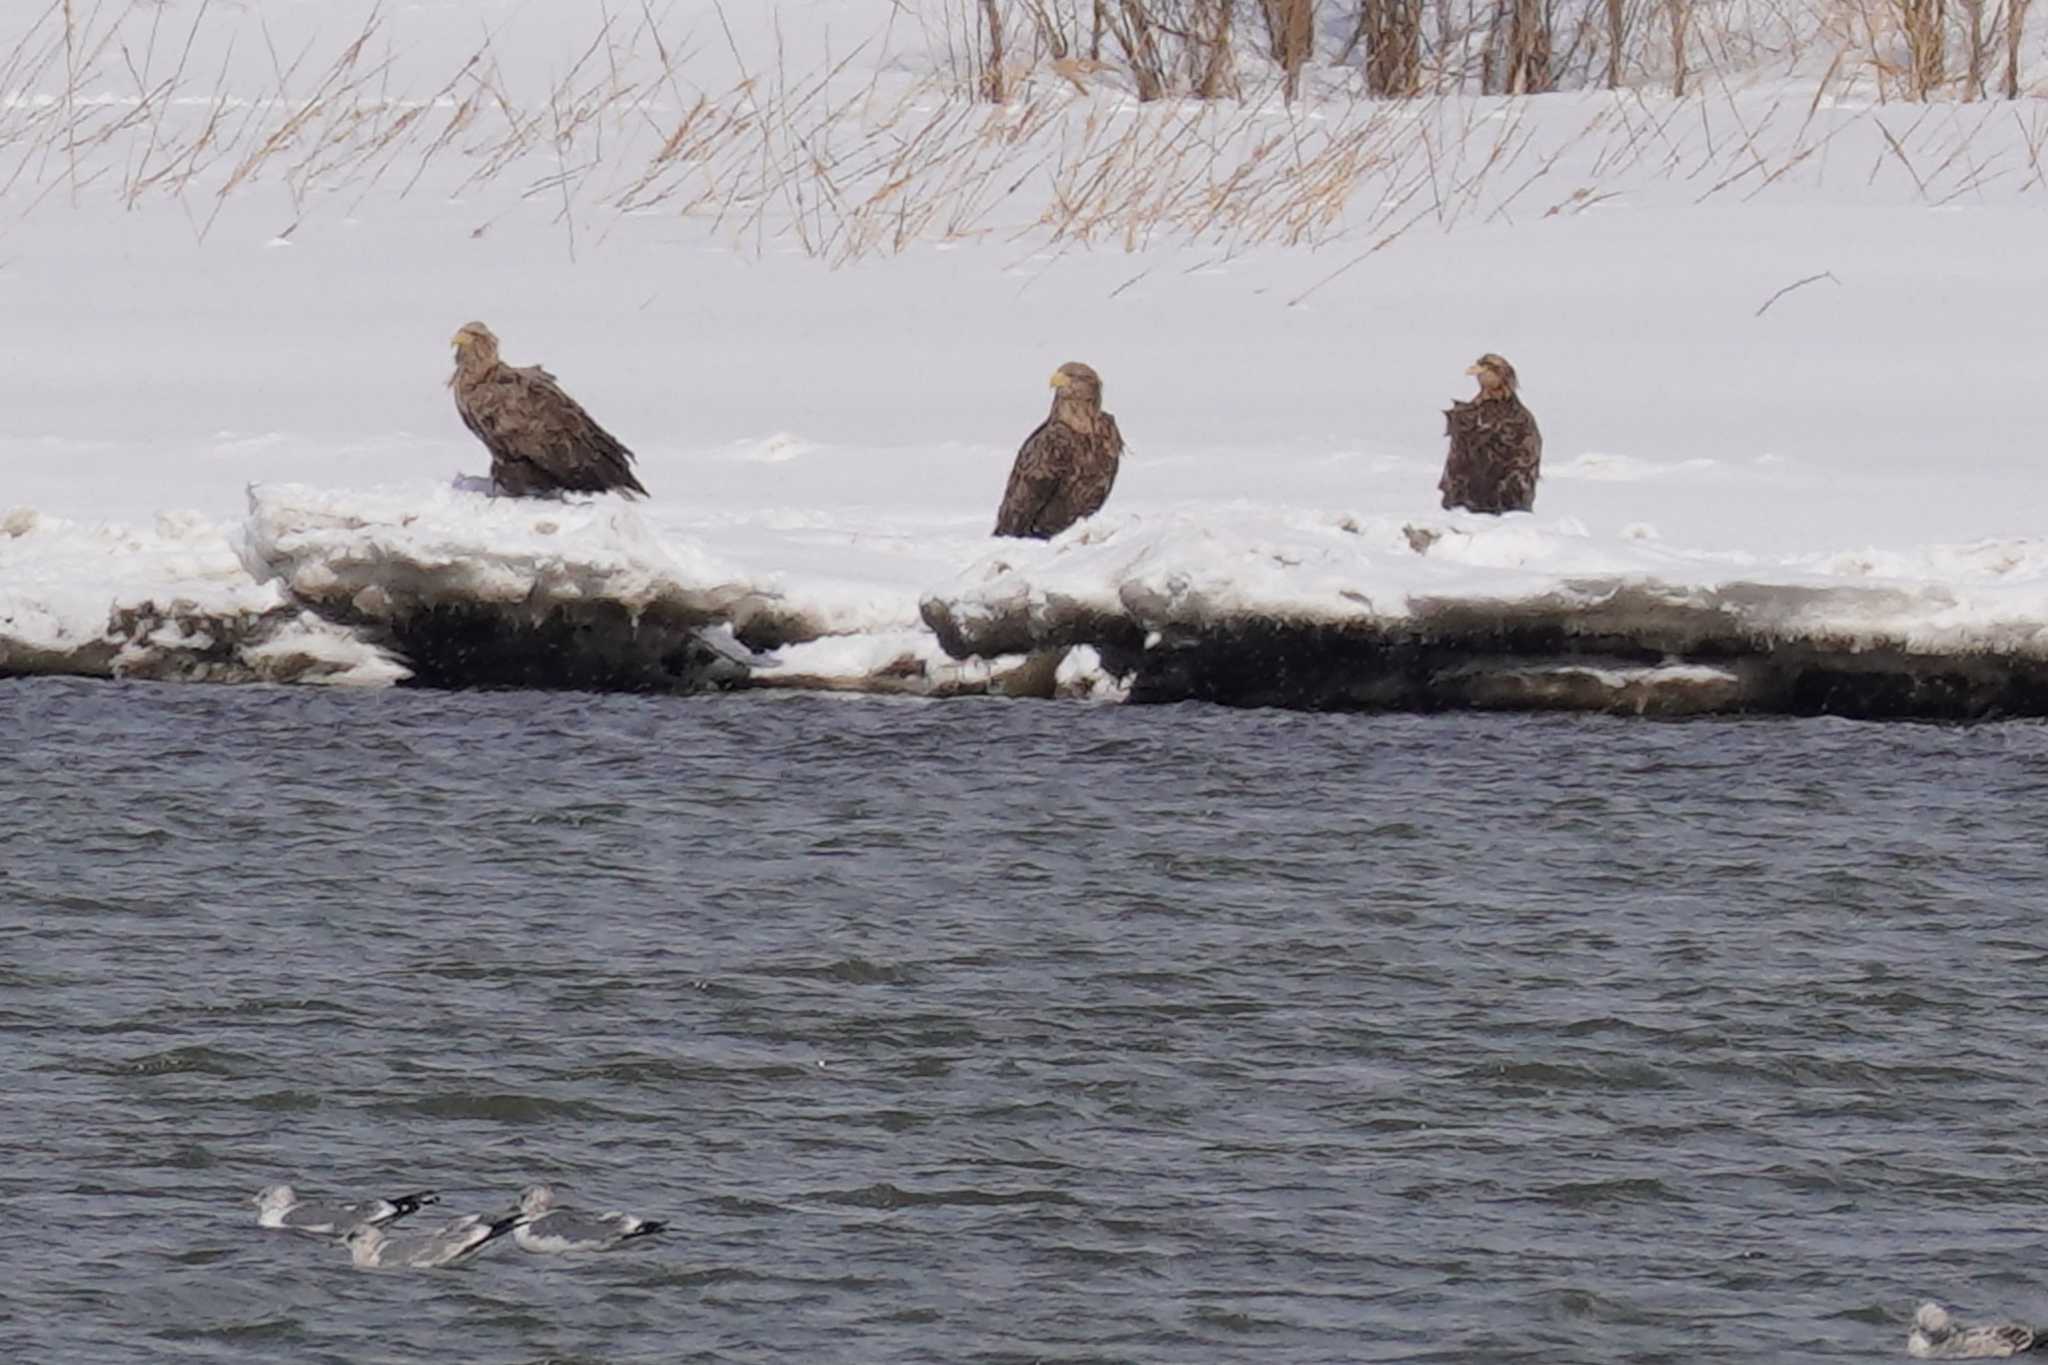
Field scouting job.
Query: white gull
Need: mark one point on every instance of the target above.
(456, 1240)
(1937, 1336)
(548, 1227)
(279, 1206)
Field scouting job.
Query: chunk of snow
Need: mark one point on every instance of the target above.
(477, 590)
(172, 602)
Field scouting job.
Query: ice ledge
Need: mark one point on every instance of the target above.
(473, 591)
(169, 603)
(1331, 613)
(1242, 604)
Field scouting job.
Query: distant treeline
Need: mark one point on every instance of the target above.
(1205, 49)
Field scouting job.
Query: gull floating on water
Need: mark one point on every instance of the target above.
(456, 1240)
(279, 1206)
(548, 1227)
(1937, 1336)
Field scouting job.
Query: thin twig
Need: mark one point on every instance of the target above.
(1796, 284)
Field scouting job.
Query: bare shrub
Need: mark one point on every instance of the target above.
(1977, 41)
(1517, 53)
(1617, 41)
(1290, 33)
(1212, 31)
(1680, 13)
(1924, 24)
(1400, 49)
(2015, 27)
(1391, 31)
(993, 88)
(1165, 47)
(1047, 27)
(1130, 22)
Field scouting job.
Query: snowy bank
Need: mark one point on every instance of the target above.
(477, 591)
(448, 587)
(1239, 603)
(1286, 609)
(171, 603)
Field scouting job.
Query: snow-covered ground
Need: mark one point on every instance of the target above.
(825, 411)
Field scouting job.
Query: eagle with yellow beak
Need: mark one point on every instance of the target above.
(1065, 469)
(541, 440)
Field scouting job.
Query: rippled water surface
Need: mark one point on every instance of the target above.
(1006, 1032)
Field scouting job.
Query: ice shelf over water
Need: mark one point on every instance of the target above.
(1255, 605)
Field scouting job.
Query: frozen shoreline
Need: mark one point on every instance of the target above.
(1758, 328)
(1476, 613)
(450, 588)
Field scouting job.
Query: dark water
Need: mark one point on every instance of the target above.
(1006, 1032)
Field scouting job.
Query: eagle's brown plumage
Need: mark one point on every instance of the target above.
(1496, 452)
(541, 440)
(1065, 469)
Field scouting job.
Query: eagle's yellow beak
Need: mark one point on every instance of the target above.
(459, 340)
(1059, 379)
(1472, 370)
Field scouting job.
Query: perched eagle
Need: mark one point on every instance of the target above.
(541, 440)
(1496, 451)
(1065, 469)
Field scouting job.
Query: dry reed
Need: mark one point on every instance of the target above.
(844, 167)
